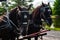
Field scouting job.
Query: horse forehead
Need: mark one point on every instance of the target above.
(24, 9)
(47, 6)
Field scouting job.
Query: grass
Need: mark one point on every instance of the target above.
(56, 29)
(53, 16)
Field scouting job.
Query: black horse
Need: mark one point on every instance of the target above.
(9, 26)
(41, 12)
(4, 27)
(24, 19)
(13, 16)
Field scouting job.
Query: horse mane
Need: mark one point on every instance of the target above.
(36, 11)
(2, 16)
(13, 10)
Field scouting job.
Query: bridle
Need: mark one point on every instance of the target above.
(27, 22)
(42, 13)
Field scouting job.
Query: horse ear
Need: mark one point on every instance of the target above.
(42, 3)
(19, 8)
(30, 6)
(48, 3)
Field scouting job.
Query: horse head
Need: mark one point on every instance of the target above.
(44, 11)
(24, 10)
(47, 12)
(24, 18)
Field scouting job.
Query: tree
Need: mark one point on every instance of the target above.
(2, 10)
(57, 7)
(17, 2)
(22, 2)
(56, 11)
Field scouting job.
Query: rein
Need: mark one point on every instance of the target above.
(9, 23)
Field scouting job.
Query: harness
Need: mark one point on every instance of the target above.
(8, 24)
(24, 17)
(24, 22)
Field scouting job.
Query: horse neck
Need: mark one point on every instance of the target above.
(35, 12)
(13, 17)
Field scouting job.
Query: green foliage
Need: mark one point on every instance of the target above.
(18, 2)
(57, 21)
(2, 10)
(56, 11)
(13, 6)
(57, 7)
(55, 29)
(22, 2)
